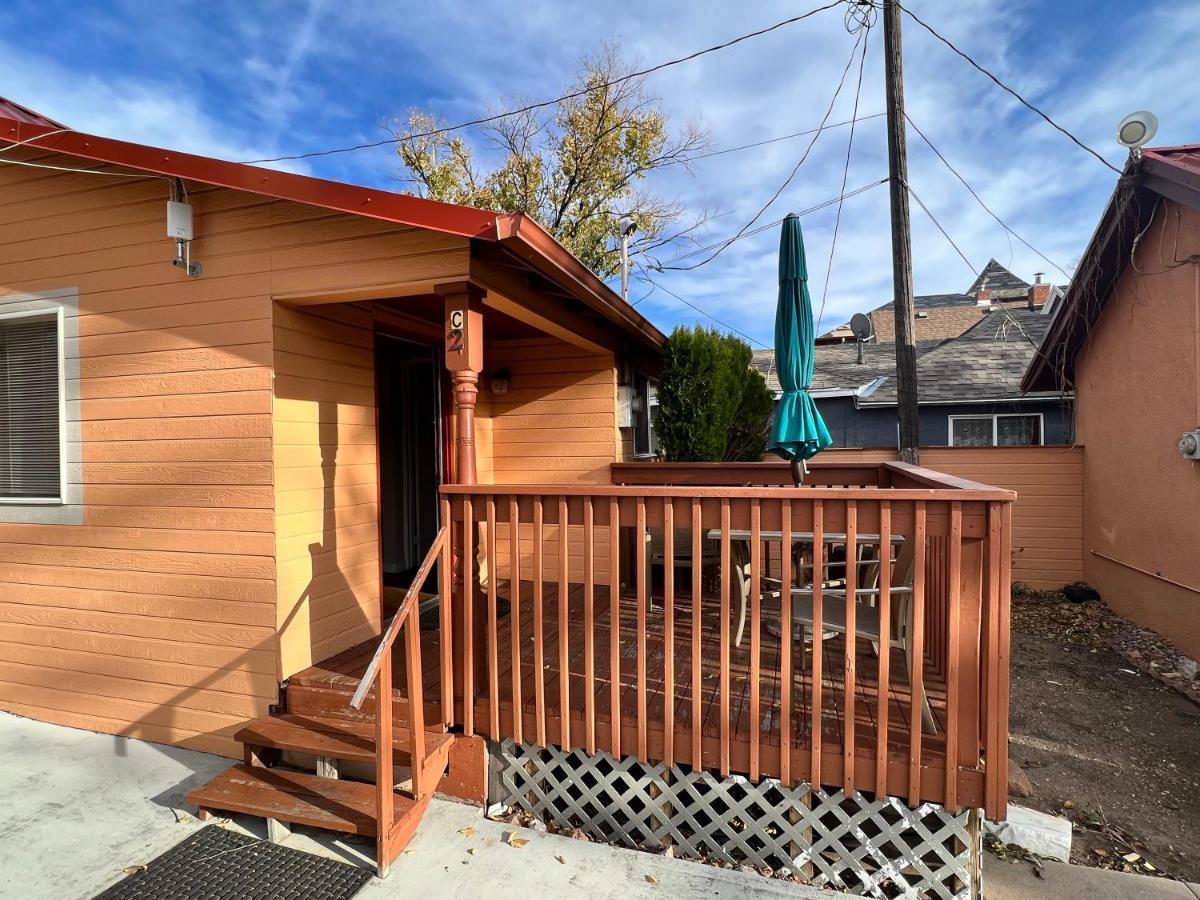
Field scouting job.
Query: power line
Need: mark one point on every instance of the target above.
(484, 120)
(933, 219)
(761, 228)
(791, 175)
(912, 15)
(845, 172)
(979, 199)
(776, 140)
(754, 342)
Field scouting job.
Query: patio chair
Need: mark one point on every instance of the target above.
(866, 614)
(710, 557)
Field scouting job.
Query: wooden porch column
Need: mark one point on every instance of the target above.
(464, 361)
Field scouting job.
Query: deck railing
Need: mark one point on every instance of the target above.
(876, 653)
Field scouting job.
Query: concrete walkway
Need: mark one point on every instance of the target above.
(79, 807)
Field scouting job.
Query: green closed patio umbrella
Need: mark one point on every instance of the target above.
(799, 432)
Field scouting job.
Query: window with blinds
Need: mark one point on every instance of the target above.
(30, 408)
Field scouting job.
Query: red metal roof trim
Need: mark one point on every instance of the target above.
(517, 231)
(349, 198)
(18, 113)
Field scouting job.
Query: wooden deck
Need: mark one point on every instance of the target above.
(343, 671)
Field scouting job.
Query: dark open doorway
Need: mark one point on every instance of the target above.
(410, 452)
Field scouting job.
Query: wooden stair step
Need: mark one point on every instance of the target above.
(299, 798)
(334, 703)
(329, 737)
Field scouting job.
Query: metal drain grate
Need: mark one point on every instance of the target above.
(215, 862)
(881, 849)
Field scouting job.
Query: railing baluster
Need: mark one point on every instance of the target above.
(785, 642)
(385, 796)
(885, 647)
(514, 616)
(916, 662)
(468, 615)
(755, 673)
(539, 636)
(697, 628)
(564, 625)
(643, 737)
(723, 685)
(589, 625)
(493, 624)
(817, 738)
(953, 651)
(614, 623)
(446, 607)
(849, 702)
(416, 703)
(669, 631)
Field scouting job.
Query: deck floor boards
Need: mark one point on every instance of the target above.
(342, 672)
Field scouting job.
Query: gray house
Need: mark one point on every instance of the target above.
(968, 387)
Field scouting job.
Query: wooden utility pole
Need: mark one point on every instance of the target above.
(902, 277)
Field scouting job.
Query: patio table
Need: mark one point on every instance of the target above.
(740, 557)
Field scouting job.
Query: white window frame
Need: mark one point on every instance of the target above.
(1041, 417)
(55, 313)
(67, 508)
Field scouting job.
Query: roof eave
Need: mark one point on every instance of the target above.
(529, 240)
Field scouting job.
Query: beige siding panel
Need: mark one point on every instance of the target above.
(327, 498)
(1048, 514)
(157, 617)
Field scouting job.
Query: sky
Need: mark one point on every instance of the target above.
(247, 80)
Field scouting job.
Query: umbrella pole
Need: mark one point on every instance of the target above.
(799, 470)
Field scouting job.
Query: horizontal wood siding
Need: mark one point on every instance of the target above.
(556, 425)
(156, 618)
(327, 538)
(1047, 539)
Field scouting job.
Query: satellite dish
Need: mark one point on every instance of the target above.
(1137, 129)
(860, 325)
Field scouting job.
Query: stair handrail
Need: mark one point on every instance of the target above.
(388, 638)
(380, 667)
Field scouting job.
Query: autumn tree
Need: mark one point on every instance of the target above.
(578, 166)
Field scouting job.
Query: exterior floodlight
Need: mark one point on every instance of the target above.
(1137, 129)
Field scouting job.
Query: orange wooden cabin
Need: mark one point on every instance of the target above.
(372, 408)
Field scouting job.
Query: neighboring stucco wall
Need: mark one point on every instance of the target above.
(875, 426)
(1138, 389)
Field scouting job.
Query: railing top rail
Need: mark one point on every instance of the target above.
(934, 478)
(389, 637)
(963, 491)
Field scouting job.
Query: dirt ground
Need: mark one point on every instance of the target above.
(1103, 742)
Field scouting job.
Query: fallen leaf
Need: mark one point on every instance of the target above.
(560, 859)
(409, 852)
(651, 879)
(134, 870)
(1068, 804)
(515, 842)
(1131, 857)
(467, 832)
(471, 850)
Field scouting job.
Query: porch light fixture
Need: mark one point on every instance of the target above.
(500, 381)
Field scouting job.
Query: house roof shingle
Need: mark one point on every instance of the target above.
(984, 363)
(837, 366)
(996, 278)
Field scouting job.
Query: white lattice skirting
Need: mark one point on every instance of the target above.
(872, 848)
